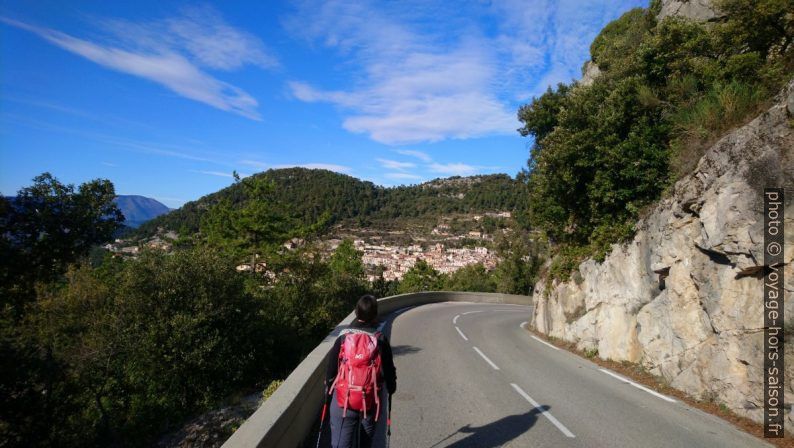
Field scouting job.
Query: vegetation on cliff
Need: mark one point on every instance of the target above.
(667, 89)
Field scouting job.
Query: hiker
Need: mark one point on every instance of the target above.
(358, 366)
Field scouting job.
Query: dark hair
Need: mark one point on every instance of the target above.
(367, 308)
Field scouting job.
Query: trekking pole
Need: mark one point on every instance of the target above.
(322, 416)
(388, 424)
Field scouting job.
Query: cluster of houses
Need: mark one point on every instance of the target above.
(397, 260)
(130, 248)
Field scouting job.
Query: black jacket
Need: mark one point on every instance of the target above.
(386, 360)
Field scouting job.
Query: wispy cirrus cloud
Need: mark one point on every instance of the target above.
(217, 173)
(421, 80)
(423, 156)
(412, 88)
(452, 169)
(394, 164)
(173, 53)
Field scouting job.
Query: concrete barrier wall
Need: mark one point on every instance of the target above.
(285, 419)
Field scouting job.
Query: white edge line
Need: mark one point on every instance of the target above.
(402, 310)
(393, 315)
(495, 367)
(523, 325)
(548, 415)
(471, 312)
(461, 334)
(455, 320)
(638, 386)
(544, 342)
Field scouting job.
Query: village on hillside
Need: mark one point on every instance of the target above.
(444, 252)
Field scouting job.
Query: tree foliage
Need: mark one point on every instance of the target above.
(49, 225)
(667, 89)
(113, 352)
(421, 277)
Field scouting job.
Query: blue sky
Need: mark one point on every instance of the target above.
(167, 99)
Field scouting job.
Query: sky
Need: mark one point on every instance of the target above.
(167, 99)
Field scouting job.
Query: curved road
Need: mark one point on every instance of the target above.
(468, 375)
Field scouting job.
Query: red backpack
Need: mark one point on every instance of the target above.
(358, 380)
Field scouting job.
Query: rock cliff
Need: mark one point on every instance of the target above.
(684, 298)
(700, 10)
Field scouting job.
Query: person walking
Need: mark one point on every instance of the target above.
(358, 366)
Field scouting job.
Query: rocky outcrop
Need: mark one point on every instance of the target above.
(590, 71)
(700, 10)
(211, 429)
(684, 298)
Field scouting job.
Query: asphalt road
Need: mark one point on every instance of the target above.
(468, 375)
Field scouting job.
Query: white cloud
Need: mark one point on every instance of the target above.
(217, 173)
(395, 165)
(452, 169)
(112, 165)
(423, 156)
(417, 79)
(402, 176)
(412, 88)
(203, 33)
(549, 41)
(171, 53)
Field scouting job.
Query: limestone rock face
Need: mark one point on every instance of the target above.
(700, 10)
(590, 72)
(684, 298)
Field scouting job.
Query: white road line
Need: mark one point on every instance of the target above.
(638, 386)
(548, 415)
(455, 320)
(461, 334)
(471, 312)
(544, 342)
(523, 325)
(495, 367)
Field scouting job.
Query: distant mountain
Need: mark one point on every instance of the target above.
(308, 193)
(139, 209)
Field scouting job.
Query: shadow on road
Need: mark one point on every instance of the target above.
(494, 434)
(398, 350)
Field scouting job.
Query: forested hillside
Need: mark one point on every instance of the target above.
(309, 194)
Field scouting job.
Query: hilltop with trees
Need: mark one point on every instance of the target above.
(311, 194)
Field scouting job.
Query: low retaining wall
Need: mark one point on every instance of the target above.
(285, 419)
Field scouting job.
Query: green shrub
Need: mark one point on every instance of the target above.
(271, 389)
(721, 108)
(667, 91)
